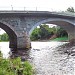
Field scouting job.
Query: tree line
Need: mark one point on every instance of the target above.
(44, 32)
(71, 9)
(4, 37)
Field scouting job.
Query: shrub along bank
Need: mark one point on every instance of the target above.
(14, 67)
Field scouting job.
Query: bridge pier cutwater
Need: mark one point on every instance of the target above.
(19, 25)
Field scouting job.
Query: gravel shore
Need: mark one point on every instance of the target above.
(55, 61)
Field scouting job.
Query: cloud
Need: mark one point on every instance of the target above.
(40, 4)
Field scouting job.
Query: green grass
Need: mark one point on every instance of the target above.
(60, 39)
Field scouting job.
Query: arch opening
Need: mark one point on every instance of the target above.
(56, 21)
(3, 36)
(48, 32)
(11, 33)
(68, 26)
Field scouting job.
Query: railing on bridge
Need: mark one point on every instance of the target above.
(11, 8)
(26, 8)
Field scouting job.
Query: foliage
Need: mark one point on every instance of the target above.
(14, 67)
(70, 9)
(45, 32)
(4, 37)
(35, 34)
(27, 69)
(61, 32)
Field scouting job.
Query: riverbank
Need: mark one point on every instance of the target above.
(61, 39)
(68, 48)
(14, 66)
(50, 58)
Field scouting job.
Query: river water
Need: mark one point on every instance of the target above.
(47, 58)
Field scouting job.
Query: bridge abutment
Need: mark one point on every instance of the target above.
(71, 36)
(13, 43)
(71, 33)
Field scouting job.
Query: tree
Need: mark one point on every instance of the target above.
(70, 9)
(35, 34)
(44, 32)
(61, 32)
(4, 37)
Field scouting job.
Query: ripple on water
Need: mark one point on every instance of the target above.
(47, 59)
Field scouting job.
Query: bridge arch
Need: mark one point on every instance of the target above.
(11, 33)
(65, 24)
(56, 21)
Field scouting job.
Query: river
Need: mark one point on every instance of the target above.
(47, 58)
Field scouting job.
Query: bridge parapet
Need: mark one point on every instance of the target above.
(29, 13)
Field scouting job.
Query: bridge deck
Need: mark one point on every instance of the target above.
(38, 13)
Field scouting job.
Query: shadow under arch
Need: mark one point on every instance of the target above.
(65, 24)
(11, 33)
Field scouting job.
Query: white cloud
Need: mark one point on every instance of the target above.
(43, 4)
(1, 31)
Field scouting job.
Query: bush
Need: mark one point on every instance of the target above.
(14, 67)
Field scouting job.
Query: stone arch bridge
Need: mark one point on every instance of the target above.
(20, 24)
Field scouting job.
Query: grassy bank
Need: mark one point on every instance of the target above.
(14, 66)
(60, 39)
(3, 41)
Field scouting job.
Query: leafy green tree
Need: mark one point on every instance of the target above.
(45, 32)
(35, 34)
(70, 9)
(4, 37)
(61, 32)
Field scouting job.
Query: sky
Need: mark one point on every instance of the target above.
(2, 31)
(42, 5)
